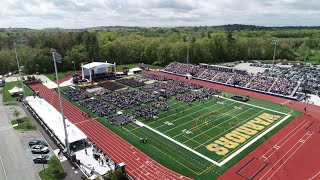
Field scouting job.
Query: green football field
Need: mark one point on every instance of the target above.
(196, 126)
(204, 139)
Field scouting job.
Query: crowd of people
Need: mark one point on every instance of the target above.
(149, 77)
(112, 86)
(146, 112)
(76, 94)
(121, 101)
(130, 82)
(283, 86)
(97, 106)
(161, 105)
(263, 82)
(169, 88)
(198, 95)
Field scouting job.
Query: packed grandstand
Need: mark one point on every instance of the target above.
(261, 82)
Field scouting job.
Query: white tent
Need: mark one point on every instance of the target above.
(96, 68)
(15, 90)
(53, 120)
(135, 70)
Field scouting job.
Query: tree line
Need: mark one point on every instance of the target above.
(158, 46)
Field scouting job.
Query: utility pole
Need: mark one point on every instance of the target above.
(57, 58)
(22, 86)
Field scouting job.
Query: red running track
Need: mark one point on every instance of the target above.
(292, 153)
(138, 165)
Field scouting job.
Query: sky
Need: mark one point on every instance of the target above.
(72, 14)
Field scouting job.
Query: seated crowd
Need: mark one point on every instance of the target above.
(76, 94)
(112, 86)
(144, 112)
(261, 83)
(130, 82)
(161, 105)
(243, 79)
(283, 86)
(169, 88)
(149, 77)
(198, 95)
(98, 106)
(121, 101)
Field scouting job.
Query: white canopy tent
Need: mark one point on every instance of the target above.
(135, 70)
(96, 68)
(53, 119)
(15, 90)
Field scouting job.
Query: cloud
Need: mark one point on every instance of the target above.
(87, 13)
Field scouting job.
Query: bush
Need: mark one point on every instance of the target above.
(57, 173)
(56, 168)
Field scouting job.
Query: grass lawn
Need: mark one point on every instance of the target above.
(196, 127)
(52, 76)
(23, 124)
(9, 85)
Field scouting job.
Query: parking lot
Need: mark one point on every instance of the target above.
(15, 154)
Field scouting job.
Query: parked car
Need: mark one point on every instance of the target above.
(37, 142)
(43, 159)
(39, 149)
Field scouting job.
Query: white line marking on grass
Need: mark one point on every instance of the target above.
(191, 118)
(178, 143)
(252, 105)
(243, 122)
(188, 114)
(252, 141)
(222, 115)
(175, 113)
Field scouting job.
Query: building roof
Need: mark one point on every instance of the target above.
(98, 64)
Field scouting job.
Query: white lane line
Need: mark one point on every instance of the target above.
(5, 173)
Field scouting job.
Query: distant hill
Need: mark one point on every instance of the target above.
(227, 26)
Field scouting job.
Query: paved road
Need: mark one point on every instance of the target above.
(14, 164)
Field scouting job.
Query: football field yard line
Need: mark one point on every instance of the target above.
(187, 114)
(174, 113)
(191, 118)
(247, 119)
(252, 141)
(178, 143)
(252, 105)
(217, 118)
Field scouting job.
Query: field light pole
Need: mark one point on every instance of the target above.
(188, 40)
(22, 86)
(274, 42)
(61, 105)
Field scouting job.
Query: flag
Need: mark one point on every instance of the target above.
(57, 57)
